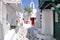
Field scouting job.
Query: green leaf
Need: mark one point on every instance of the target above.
(27, 9)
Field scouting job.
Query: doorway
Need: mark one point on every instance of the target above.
(56, 21)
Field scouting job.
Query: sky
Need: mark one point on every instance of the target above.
(26, 3)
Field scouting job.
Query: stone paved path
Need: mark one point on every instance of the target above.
(32, 34)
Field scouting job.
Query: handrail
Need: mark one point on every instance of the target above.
(47, 5)
(53, 4)
(57, 10)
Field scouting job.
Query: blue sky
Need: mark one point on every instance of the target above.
(26, 3)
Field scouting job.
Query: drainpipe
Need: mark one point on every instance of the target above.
(53, 4)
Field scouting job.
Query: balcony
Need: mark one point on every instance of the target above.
(43, 3)
(15, 4)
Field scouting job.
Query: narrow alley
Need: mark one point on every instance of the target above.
(29, 19)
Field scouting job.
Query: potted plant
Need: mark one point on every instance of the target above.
(27, 12)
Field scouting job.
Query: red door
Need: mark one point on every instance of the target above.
(32, 21)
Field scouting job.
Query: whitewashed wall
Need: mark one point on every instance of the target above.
(1, 28)
(1, 32)
(11, 15)
(0, 11)
(47, 22)
(8, 20)
(38, 18)
(4, 20)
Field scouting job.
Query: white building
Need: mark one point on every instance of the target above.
(31, 15)
(8, 11)
(47, 22)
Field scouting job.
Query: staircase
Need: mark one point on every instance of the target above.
(35, 34)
